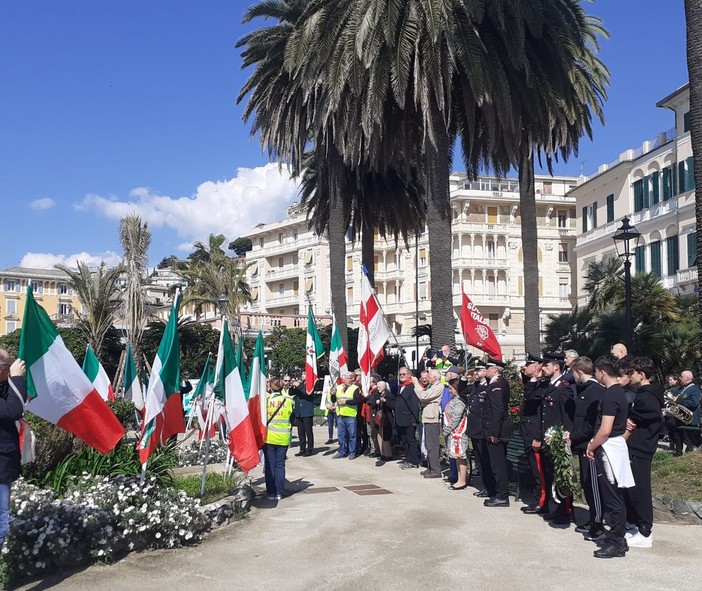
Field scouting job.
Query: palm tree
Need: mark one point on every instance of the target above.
(693, 18)
(215, 279)
(570, 330)
(650, 301)
(135, 237)
(559, 83)
(604, 283)
(97, 292)
(388, 202)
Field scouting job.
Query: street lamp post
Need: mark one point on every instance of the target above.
(623, 238)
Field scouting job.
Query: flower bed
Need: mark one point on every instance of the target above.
(194, 454)
(98, 519)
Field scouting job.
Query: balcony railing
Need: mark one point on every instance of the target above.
(282, 272)
(479, 263)
(460, 226)
(282, 300)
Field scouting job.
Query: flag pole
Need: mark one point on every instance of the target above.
(208, 423)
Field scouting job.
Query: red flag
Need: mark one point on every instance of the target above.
(477, 331)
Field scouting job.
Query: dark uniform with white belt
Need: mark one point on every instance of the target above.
(474, 427)
(557, 410)
(530, 430)
(497, 429)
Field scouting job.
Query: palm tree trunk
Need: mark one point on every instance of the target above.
(527, 206)
(337, 242)
(368, 249)
(439, 227)
(693, 16)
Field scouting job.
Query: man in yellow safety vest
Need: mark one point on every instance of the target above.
(278, 428)
(347, 398)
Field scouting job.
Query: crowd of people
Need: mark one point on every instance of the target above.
(610, 413)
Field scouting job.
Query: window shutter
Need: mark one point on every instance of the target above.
(690, 182)
(673, 255)
(692, 249)
(594, 214)
(681, 177)
(656, 195)
(656, 258)
(584, 219)
(667, 186)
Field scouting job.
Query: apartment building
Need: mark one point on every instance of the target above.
(290, 263)
(51, 289)
(654, 186)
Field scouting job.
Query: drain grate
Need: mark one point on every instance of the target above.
(367, 489)
(320, 489)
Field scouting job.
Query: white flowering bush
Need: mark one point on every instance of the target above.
(194, 454)
(98, 519)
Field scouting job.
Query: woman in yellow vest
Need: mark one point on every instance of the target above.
(279, 425)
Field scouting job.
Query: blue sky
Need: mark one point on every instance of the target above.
(130, 105)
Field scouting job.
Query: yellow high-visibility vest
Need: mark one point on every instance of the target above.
(279, 427)
(342, 409)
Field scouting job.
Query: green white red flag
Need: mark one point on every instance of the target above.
(314, 350)
(338, 361)
(97, 375)
(228, 387)
(132, 387)
(164, 403)
(257, 392)
(57, 389)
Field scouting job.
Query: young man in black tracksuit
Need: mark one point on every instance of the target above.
(587, 399)
(643, 428)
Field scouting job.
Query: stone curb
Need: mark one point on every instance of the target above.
(228, 509)
(667, 510)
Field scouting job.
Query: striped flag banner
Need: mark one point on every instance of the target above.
(97, 375)
(373, 332)
(258, 410)
(132, 387)
(164, 403)
(313, 351)
(57, 389)
(338, 360)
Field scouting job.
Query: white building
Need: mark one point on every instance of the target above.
(291, 263)
(654, 185)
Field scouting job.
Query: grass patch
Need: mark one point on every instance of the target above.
(677, 477)
(217, 486)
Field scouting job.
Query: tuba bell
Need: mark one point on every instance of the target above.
(672, 408)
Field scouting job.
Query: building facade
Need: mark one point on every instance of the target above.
(290, 263)
(51, 288)
(654, 186)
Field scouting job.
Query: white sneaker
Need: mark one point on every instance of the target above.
(638, 540)
(631, 530)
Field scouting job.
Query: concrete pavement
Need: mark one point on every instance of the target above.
(419, 536)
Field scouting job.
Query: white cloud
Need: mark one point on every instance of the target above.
(39, 260)
(231, 207)
(45, 203)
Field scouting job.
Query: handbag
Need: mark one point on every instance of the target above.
(378, 419)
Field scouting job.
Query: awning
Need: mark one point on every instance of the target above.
(254, 293)
(308, 256)
(309, 284)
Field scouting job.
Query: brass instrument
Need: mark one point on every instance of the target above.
(680, 412)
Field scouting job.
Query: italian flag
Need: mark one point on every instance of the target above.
(57, 389)
(229, 389)
(242, 366)
(164, 404)
(97, 375)
(132, 387)
(338, 361)
(257, 392)
(314, 350)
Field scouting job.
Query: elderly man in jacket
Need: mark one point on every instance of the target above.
(430, 402)
(13, 395)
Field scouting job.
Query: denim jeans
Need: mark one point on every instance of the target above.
(274, 468)
(4, 511)
(347, 435)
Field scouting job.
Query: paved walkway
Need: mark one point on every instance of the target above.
(420, 536)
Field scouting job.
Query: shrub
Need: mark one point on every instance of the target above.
(194, 454)
(53, 445)
(100, 518)
(125, 411)
(122, 460)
